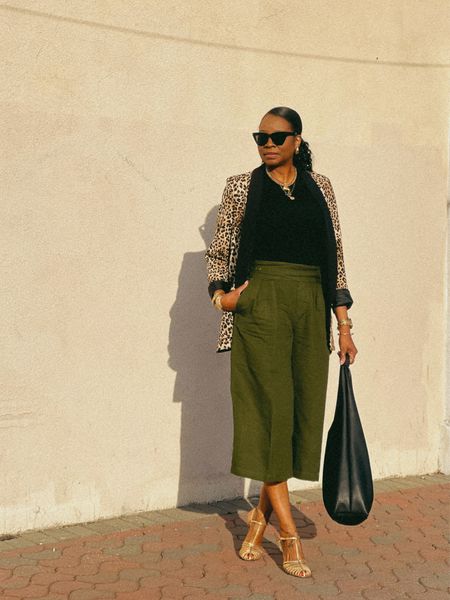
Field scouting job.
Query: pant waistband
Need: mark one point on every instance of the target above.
(275, 268)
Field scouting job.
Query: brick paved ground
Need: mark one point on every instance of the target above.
(401, 551)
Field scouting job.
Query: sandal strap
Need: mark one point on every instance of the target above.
(253, 512)
(259, 523)
(245, 543)
(298, 546)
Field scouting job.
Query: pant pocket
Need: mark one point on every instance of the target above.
(246, 297)
(319, 301)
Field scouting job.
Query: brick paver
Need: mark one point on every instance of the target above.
(190, 553)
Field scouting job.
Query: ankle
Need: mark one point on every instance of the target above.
(287, 533)
(266, 514)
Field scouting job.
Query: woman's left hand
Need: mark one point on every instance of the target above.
(346, 346)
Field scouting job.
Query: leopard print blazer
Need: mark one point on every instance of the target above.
(221, 255)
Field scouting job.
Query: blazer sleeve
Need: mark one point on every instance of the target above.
(218, 252)
(342, 296)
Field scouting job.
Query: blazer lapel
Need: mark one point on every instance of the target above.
(331, 263)
(329, 270)
(248, 225)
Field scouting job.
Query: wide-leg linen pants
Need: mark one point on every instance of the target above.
(279, 373)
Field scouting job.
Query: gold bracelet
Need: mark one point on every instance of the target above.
(345, 333)
(345, 322)
(216, 300)
(217, 293)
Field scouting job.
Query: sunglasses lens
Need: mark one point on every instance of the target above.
(261, 138)
(279, 138)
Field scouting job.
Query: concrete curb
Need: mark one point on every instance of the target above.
(190, 512)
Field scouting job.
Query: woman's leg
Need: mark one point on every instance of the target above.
(278, 496)
(261, 513)
(264, 510)
(264, 504)
(274, 496)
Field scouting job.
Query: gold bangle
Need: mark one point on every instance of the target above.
(345, 322)
(217, 293)
(218, 302)
(345, 333)
(216, 299)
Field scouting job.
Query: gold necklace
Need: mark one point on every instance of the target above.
(286, 187)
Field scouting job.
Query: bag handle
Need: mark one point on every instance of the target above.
(347, 360)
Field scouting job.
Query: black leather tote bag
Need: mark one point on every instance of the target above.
(347, 486)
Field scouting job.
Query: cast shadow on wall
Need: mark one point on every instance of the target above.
(202, 383)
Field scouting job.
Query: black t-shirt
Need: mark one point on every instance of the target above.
(289, 230)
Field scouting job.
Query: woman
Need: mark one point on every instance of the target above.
(276, 271)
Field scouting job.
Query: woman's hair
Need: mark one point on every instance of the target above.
(302, 160)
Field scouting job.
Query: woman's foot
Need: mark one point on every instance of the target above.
(251, 548)
(293, 557)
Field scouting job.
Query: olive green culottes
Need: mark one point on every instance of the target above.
(279, 373)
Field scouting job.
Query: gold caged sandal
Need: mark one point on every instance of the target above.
(250, 550)
(296, 567)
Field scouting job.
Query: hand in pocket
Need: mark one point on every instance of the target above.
(230, 300)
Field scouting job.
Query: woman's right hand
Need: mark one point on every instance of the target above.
(230, 299)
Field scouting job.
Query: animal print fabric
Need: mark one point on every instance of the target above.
(221, 255)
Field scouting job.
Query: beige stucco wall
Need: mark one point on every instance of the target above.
(120, 122)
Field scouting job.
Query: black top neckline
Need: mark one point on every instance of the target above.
(289, 230)
(297, 193)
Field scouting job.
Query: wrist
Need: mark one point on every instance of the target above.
(344, 323)
(217, 299)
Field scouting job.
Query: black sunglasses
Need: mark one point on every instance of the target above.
(278, 137)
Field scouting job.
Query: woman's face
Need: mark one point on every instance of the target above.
(272, 155)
